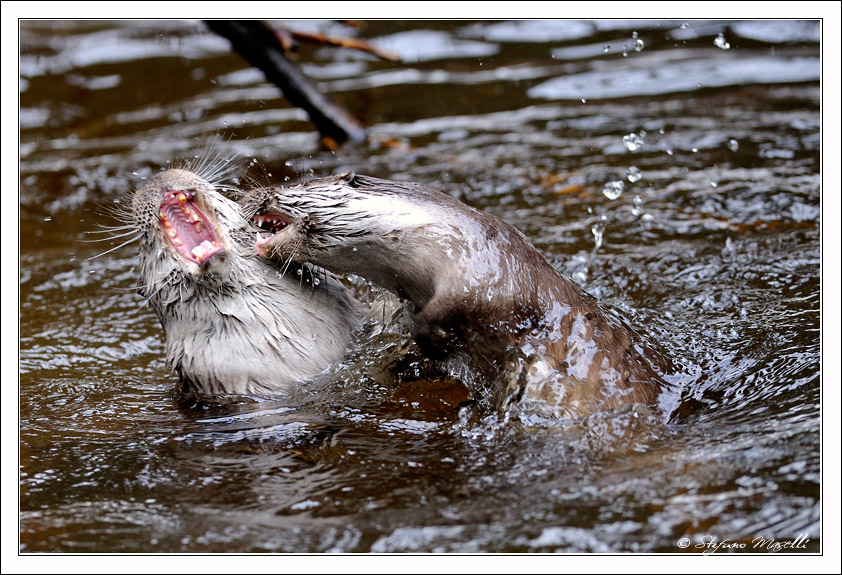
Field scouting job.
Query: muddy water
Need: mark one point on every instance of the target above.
(671, 168)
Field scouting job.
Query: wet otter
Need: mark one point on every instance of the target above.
(481, 290)
(234, 323)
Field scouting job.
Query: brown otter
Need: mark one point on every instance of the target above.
(234, 323)
(480, 289)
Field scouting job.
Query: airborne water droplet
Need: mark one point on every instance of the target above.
(721, 42)
(633, 142)
(733, 145)
(598, 231)
(637, 206)
(638, 43)
(613, 190)
(634, 174)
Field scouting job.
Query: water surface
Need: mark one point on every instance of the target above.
(671, 168)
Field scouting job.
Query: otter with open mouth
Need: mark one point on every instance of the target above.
(482, 293)
(235, 324)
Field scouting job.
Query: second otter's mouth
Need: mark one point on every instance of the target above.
(275, 224)
(187, 228)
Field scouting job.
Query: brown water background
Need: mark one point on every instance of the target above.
(710, 132)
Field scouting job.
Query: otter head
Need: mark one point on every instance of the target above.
(178, 215)
(352, 224)
(234, 323)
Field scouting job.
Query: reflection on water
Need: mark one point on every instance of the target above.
(677, 180)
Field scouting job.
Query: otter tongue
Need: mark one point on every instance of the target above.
(187, 228)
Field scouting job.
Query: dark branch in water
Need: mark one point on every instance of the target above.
(261, 46)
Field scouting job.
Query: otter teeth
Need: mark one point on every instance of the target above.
(200, 250)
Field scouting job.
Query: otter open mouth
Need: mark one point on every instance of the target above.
(272, 223)
(187, 228)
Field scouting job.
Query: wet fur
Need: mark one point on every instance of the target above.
(481, 290)
(236, 325)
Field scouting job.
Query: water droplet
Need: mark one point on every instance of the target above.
(584, 101)
(669, 152)
(598, 231)
(288, 163)
(637, 206)
(613, 190)
(721, 42)
(733, 145)
(714, 184)
(315, 281)
(634, 174)
(633, 142)
(625, 51)
(695, 150)
(638, 43)
(684, 25)
(606, 48)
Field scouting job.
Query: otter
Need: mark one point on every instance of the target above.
(235, 324)
(481, 291)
